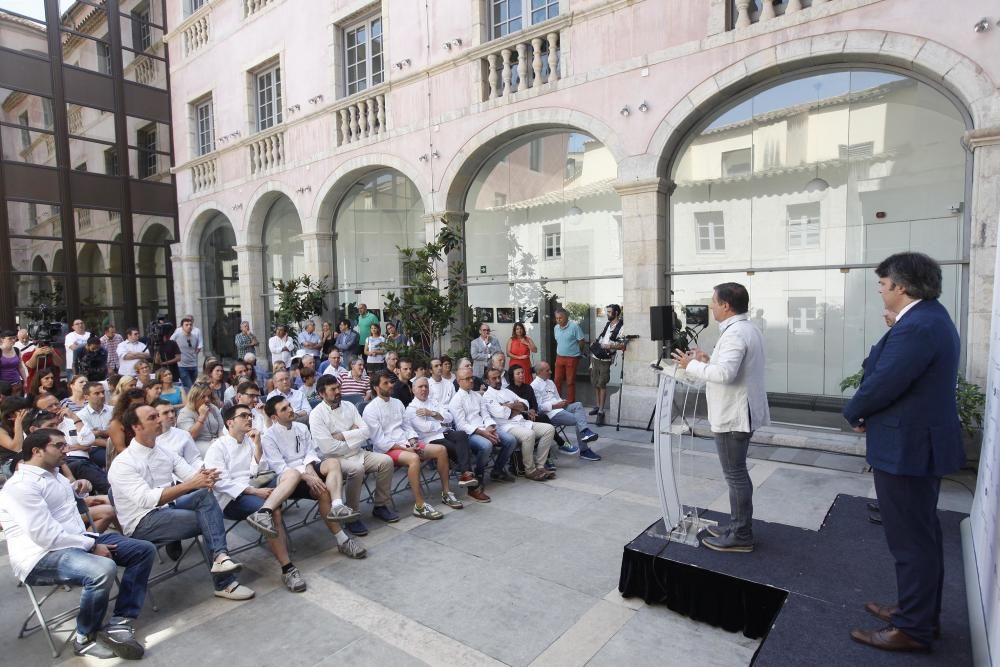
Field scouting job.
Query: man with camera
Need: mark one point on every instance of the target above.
(40, 356)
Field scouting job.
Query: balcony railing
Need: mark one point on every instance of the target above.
(196, 35)
(363, 118)
(75, 119)
(531, 62)
(267, 152)
(748, 12)
(145, 70)
(203, 175)
(251, 7)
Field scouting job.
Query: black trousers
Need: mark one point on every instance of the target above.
(84, 468)
(457, 444)
(909, 516)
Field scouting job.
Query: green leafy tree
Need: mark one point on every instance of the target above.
(299, 299)
(426, 308)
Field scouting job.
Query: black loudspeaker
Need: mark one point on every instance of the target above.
(661, 323)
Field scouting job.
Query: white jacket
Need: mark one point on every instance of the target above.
(734, 377)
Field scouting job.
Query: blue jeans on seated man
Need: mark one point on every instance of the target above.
(483, 448)
(96, 575)
(244, 505)
(732, 447)
(573, 414)
(193, 514)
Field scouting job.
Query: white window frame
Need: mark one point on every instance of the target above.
(712, 222)
(104, 57)
(25, 124)
(529, 13)
(147, 159)
(728, 154)
(552, 243)
(191, 6)
(800, 321)
(143, 28)
(204, 127)
(803, 231)
(374, 64)
(267, 81)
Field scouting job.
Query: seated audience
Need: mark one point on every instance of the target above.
(13, 410)
(333, 365)
(308, 388)
(385, 417)
(236, 456)
(118, 433)
(507, 409)
(562, 412)
(392, 364)
(432, 423)
(169, 391)
(339, 431)
(472, 416)
(401, 389)
(283, 387)
(249, 394)
(79, 441)
(48, 543)
(176, 440)
(288, 445)
(441, 388)
(47, 381)
(215, 374)
(151, 507)
(201, 417)
(153, 390)
(355, 383)
(97, 415)
(478, 383)
(143, 373)
(239, 372)
(124, 384)
(92, 361)
(76, 399)
(516, 383)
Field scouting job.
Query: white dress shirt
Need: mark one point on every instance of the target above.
(335, 371)
(385, 424)
(296, 399)
(236, 464)
(39, 515)
(180, 442)
(505, 419)
(470, 411)
(138, 476)
(127, 366)
(441, 390)
(77, 436)
(428, 429)
(734, 377)
(546, 394)
(281, 349)
(97, 421)
(324, 422)
(286, 448)
(907, 308)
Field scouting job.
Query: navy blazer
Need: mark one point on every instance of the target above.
(907, 396)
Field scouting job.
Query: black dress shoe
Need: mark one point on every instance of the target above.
(889, 638)
(875, 518)
(873, 507)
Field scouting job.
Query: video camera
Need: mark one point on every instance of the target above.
(45, 331)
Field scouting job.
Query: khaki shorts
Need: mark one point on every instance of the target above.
(600, 372)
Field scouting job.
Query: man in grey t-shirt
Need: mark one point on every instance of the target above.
(190, 344)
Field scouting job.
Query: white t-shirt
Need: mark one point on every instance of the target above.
(73, 338)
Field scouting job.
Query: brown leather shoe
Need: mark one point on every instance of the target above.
(479, 495)
(884, 612)
(889, 639)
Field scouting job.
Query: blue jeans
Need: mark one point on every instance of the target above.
(243, 506)
(481, 450)
(193, 514)
(96, 575)
(188, 376)
(507, 444)
(572, 415)
(732, 447)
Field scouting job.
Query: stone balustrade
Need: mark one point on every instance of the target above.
(75, 119)
(251, 7)
(748, 12)
(361, 118)
(196, 35)
(528, 62)
(267, 152)
(145, 70)
(203, 175)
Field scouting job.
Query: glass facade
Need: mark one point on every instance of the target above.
(545, 230)
(220, 287)
(284, 255)
(82, 237)
(798, 192)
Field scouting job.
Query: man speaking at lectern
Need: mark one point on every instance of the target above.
(737, 404)
(906, 407)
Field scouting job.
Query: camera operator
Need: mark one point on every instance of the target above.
(92, 361)
(41, 355)
(168, 353)
(602, 356)
(74, 343)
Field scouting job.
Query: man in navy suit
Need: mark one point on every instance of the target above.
(906, 406)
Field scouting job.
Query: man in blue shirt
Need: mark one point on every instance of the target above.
(570, 345)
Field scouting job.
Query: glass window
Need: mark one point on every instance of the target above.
(542, 10)
(148, 159)
(220, 282)
(104, 57)
(142, 32)
(363, 55)
(96, 224)
(111, 167)
(551, 237)
(812, 176)
(204, 127)
(191, 6)
(284, 252)
(507, 16)
(268, 86)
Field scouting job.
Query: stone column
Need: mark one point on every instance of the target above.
(985, 213)
(250, 259)
(645, 259)
(320, 263)
(187, 284)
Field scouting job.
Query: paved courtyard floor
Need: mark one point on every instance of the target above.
(529, 579)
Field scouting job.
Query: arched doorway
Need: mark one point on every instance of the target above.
(380, 213)
(798, 190)
(544, 229)
(151, 261)
(284, 252)
(220, 288)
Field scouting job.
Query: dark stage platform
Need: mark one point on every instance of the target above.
(802, 590)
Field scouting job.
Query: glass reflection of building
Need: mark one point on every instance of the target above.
(86, 164)
(799, 192)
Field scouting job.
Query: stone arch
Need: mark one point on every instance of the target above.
(255, 212)
(469, 159)
(337, 184)
(946, 69)
(191, 237)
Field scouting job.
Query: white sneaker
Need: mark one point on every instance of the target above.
(235, 591)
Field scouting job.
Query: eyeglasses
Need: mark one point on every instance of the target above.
(484, 331)
(242, 415)
(252, 395)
